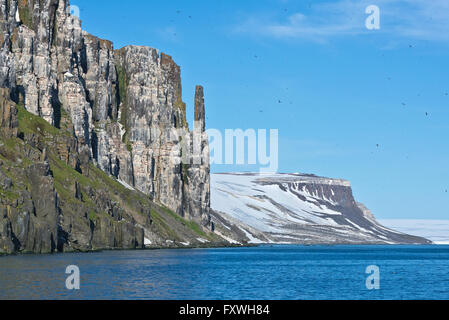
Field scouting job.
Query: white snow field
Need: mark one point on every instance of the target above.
(435, 230)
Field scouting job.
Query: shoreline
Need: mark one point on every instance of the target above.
(221, 247)
(121, 249)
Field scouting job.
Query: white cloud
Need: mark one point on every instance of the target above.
(407, 19)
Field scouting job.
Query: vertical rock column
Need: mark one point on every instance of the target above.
(200, 113)
(197, 180)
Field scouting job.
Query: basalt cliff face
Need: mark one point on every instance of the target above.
(95, 149)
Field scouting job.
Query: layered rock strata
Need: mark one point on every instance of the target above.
(119, 110)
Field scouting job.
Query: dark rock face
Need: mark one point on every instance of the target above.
(120, 111)
(8, 113)
(45, 215)
(30, 222)
(200, 113)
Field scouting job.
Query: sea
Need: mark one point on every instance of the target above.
(279, 272)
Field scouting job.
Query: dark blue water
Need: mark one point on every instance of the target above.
(280, 272)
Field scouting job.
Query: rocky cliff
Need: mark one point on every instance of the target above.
(84, 129)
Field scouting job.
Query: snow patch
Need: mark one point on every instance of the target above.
(127, 186)
(230, 240)
(17, 15)
(252, 239)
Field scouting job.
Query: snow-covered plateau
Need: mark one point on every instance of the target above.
(295, 209)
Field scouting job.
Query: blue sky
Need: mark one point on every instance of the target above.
(368, 106)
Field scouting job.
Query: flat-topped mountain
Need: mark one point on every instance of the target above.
(295, 208)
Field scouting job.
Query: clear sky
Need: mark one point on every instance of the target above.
(370, 106)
